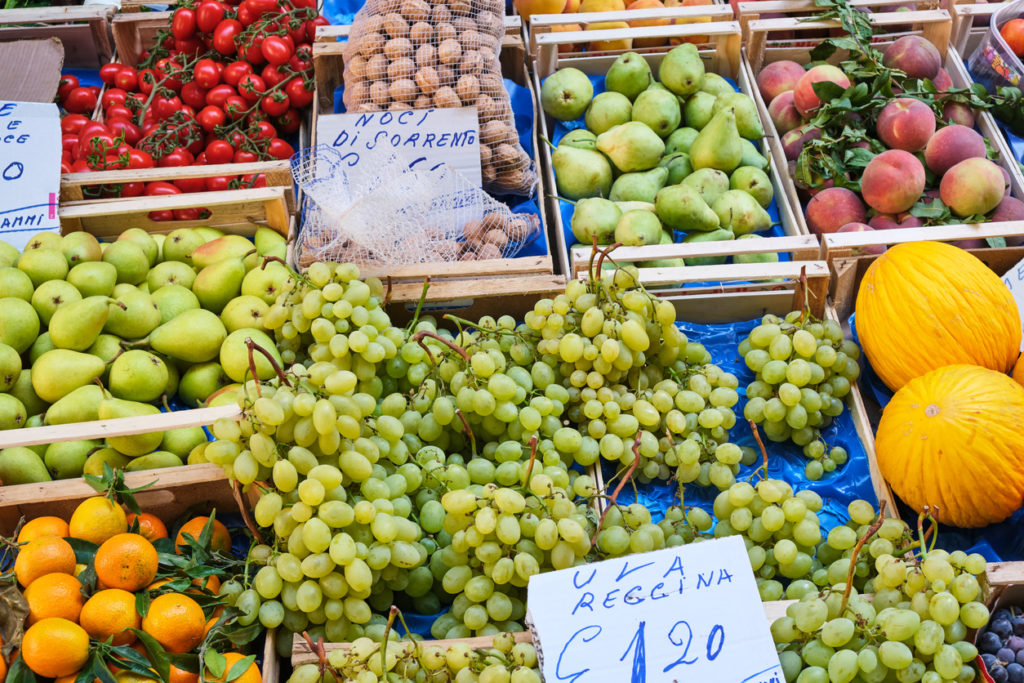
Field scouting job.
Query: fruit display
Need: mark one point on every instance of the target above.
(999, 642)
(219, 85)
(94, 331)
(658, 161)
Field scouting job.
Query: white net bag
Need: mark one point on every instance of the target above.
(432, 54)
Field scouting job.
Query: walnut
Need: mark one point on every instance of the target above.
(449, 52)
(505, 157)
(399, 106)
(491, 82)
(488, 174)
(467, 88)
(357, 93)
(423, 102)
(496, 237)
(368, 107)
(374, 24)
(460, 7)
(518, 229)
(403, 90)
(473, 230)
(491, 23)
(463, 24)
(513, 181)
(487, 251)
(397, 48)
(371, 43)
(401, 68)
(485, 155)
(355, 68)
(377, 68)
(427, 80)
(421, 32)
(415, 10)
(446, 74)
(493, 220)
(445, 98)
(494, 133)
(472, 62)
(440, 14)
(426, 55)
(485, 108)
(379, 93)
(489, 44)
(395, 26)
(445, 32)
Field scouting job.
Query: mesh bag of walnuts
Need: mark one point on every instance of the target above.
(432, 54)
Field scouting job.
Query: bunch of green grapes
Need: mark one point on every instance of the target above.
(363, 662)
(628, 529)
(804, 371)
(915, 629)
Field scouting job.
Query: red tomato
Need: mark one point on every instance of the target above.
(191, 184)
(80, 101)
(183, 23)
(218, 183)
(234, 71)
(299, 95)
(311, 27)
(147, 80)
(208, 14)
(224, 36)
(66, 84)
(251, 50)
(164, 107)
(244, 157)
(275, 104)
(116, 112)
(108, 71)
(219, 152)
(302, 60)
(161, 216)
(193, 95)
(73, 123)
(65, 166)
(304, 3)
(138, 158)
(190, 111)
(207, 73)
(69, 141)
(187, 214)
(251, 87)
(289, 121)
(210, 117)
(261, 7)
(236, 106)
(272, 74)
(246, 15)
(179, 156)
(123, 127)
(189, 46)
(258, 180)
(113, 96)
(265, 130)
(277, 50)
(133, 189)
(127, 78)
(217, 95)
(170, 71)
(279, 149)
(80, 166)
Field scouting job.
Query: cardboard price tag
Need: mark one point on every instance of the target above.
(1014, 281)
(29, 170)
(426, 138)
(690, 613)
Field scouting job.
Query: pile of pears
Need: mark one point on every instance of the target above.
(95, 331)
(653, 158)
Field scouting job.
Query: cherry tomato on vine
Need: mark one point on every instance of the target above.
(289, 121)
(161, 216)
(279, 149)
(297, 34)
(207, 73)
(302, 60)
(258, 180)
(277, 50)
(264, 130)
(132, 189)
(218, 183)
(209, 117)
(73, 123)
(299, 95)
(261, 7)
(209, 13)
(246, 15)
(147, 80)
(188, 214)
(234, 72)
(139, 158)
(219, 94)
(303, 4)
(236, 106)
(183, 23)
(219, 152)
(113, 96)
(243, 156)
(165, 107)
(80, 166)
(170, 71)
(80, 100)
(251, 87)
(127, 79)
(224, 36)
(251, 50)
(108, 71)
(275, 104)
(66, 84)
(68, 143)
(179, 156)
(187, 185)
(193, 95)
(272, 74)
(117, 112)
(191, 46)
(311, 27)
(124, 127)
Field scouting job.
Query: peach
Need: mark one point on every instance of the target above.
(528, 8)
(777, 78)
(906, 124)
(951, 145)
(942, 81)
(893, 181)
(972, 187)
(913, 55)
(956, 112)
(647, 4)
(833, 208)
(1010, 209)
(1006, 180)
(885, 221)
(867, 249)
(783, 113)
(794, 140)
(804, 97)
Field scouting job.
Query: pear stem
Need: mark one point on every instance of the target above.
(561, 199)
(549, 143)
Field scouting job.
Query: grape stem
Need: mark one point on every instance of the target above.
(252, 347)
(856, 551)
(387, 294)
(533, 459)
(323, 664)
(618, 489)
(764, 451)
(465, 425)
(419, 304)
(607, 253)
(236, 492)
(384, 641)
(418, 338)
(593, 253)
(296, 274)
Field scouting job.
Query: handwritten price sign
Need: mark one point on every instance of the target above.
(690, 613)
(29, 170)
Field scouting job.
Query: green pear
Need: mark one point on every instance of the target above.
(48, 239)
(217, 284)
(199, 381)
(234, 355)
(607, 110)
(208, 234)
(637, 228)
(173, 300)
(43, 264)
(59, 372)
(21, 465)
(173, 376)
(80, 405)
(710, 184)
(752, 157)
(19, 323)
(157, 460)
(681, 208)
(138, 375)
(225, 396)
(93, 278)
(81, 247)
(719, 235)
(66, 459)
(133, 315)
(581, 173)
(639, 187)
(635, 206)
(23, 391)
(15, 283)
(197, 456)
(138, 444)
(244, 311)
(12, 412)
(76, 325)
(8, 254)
(765, 257)
(270, 242)
(195, 336)
(107, 347)
(182, 441)
(180, 244)
(741, 213)
(10, 367)
(717, 145)
(51, 295)
(682, 70)
(658, 110)
(565, 94)
(595, 217)
(266, 283)
(699, 110)
(41, 345)
(716, 85)
(581, 138)
(631, 147)
(104, 456)
(129, 259)
(629, 75)
(754, 182)
(678, 167)
(159, 239)
(170, 273)
(748, 123)
(144, 241)
(226, 247)
(680, 140)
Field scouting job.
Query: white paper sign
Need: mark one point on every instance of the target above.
(1014, 280)
(29, 170)
(426, 137)
(690, 613)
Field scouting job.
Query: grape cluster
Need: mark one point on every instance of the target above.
(1001, 645)
(804, 368)
(363, 662)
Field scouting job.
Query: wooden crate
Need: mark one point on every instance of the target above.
(235, 211)
(84, 31)
(934, 25)
(271, 670)
(722, 59)
(757, 9)
(301, 654)
(970, 23)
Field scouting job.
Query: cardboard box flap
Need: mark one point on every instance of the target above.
(38, 73)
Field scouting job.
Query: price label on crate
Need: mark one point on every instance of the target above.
(690, 613)
(427, 138)
(29, 170)
(1014, 280)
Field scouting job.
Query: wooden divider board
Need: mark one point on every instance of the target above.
(967, 35)
(83, 31)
